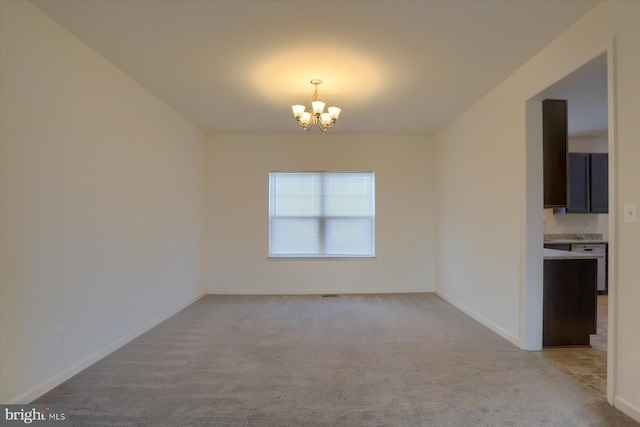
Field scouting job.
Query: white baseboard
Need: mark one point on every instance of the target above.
(316, 291)
(61, 377)
(481, 319)
(627, 407)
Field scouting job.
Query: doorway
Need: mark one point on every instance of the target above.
(534, 228)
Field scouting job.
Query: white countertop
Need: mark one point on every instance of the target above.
(573, 242)
(550, 254)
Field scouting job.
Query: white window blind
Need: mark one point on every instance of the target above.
(322, 214)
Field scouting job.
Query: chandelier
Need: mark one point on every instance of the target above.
(317, 117)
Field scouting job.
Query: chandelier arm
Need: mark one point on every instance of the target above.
(322, 127)
(305, 127)
(308, 126)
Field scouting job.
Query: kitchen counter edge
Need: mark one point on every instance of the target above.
(574, 242)
(551, 254)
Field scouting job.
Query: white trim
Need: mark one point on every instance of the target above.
(308, 257)
(262, 292)
(61, 377)
(612, 247)
(532, 231)
(481, 319)
(627, 407)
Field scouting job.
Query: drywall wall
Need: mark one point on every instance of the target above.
(588, 145)
(482, 160)
(479, 176)
(101, 194)
(238, 207)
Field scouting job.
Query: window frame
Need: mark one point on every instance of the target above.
(322, 219)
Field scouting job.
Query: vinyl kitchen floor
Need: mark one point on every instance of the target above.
(588, 365)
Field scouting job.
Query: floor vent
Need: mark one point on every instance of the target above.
(329, 296)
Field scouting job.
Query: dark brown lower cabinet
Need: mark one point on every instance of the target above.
(569, 302)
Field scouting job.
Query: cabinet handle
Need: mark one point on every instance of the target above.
(587, 249)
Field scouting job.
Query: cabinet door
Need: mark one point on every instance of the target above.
(568, 302)
(558, 246)
(600, 183)
(579, 199)
(554, 146)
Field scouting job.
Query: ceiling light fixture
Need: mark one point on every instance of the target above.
(317, 116)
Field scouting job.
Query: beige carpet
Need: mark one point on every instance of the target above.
(374, 360)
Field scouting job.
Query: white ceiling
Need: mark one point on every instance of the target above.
(392, 66)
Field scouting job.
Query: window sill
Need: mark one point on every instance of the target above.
(319, 257)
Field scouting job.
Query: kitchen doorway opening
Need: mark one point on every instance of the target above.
(533, 223)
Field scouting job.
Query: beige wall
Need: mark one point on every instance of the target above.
(588, 145)
(479, 194)
(237, 213)
(101, 198)
(484, 161)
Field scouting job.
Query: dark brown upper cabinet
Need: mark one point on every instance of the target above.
(588, 184)
(579, 189)
(555, 148)
(599, 183)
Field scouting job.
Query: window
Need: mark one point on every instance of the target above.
(322, 214)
